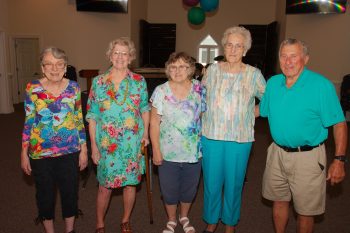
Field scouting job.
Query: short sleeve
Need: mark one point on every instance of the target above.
(331, 111)
(260, 84)
(92, 107)
(208, 73)
(144, 106)
(157, 100)
(264, 103)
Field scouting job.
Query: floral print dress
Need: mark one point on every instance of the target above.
(53, 124)
(180, 125)
(119, 128)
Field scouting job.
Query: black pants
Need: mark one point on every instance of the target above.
(59, 171)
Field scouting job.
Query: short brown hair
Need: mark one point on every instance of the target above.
(175, 56)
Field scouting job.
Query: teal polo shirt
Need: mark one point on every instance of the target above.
(301, 114)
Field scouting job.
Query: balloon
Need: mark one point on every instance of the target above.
(190, 2)
(209, 5)
(196, 15)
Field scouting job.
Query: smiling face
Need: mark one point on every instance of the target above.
(234, 48)
(120, 57)
(53, 68)
(292, 60)
(179, 71)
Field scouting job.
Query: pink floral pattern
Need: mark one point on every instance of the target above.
(119, 129)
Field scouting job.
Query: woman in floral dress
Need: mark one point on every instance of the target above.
(118, 116)
(53, 140)
(175, 133)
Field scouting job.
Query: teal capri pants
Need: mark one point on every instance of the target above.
(224, 166)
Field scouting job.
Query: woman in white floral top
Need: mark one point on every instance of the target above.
(228, 129)
(175, 133)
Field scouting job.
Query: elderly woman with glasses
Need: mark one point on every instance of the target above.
(228, 129)
(175, 134)
(54, 141)
(118, 116)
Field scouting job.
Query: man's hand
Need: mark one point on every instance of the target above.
(336, 172)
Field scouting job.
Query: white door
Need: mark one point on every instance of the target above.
(27, 63)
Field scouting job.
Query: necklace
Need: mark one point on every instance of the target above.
(113, 94)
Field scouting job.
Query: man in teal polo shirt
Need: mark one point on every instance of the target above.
(300, 105)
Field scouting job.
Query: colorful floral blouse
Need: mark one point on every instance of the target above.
(231, 99)
(119, 128)
(53, 125)
(180, 125)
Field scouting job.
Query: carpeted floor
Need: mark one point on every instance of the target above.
(18, 209)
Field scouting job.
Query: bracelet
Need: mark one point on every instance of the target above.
(342, 158)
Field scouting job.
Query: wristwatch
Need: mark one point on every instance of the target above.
(342, 158)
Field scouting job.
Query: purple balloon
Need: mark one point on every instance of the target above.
(190, 2)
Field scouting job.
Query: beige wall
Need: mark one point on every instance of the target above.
(229, 13)
(83, 35)
(3, 15)
(138, 11)
(328, 37)
(281, 19)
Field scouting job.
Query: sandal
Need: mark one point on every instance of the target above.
(125, 227)
(170, 227)
(185, 222)
(100, 230)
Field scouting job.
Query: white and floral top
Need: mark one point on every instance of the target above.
(180, 126)
(231, 100)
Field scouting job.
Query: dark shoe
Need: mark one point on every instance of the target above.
(125, 227)
(100, 230)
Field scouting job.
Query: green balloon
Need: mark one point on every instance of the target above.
(196, 15)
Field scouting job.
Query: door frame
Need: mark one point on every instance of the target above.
(6, 98)
(12, 45)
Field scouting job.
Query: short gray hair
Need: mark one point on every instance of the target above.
(123, 41)
(239, 31)
(292, 41)
(56, 53)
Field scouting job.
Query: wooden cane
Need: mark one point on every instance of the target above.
(148, 183)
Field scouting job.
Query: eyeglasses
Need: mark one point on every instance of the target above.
(179, 68)
(123, 54)
(58, 65)
(236, 46)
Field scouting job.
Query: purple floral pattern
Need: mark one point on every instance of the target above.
(180, 126)
(53, 125)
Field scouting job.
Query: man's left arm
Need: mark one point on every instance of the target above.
(336, 171)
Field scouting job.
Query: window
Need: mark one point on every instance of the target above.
(208, 49)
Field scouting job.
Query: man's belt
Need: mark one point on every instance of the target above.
(300, 148)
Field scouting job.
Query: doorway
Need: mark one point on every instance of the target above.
(26, 65)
